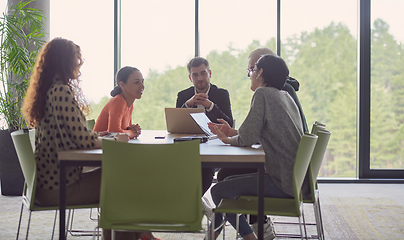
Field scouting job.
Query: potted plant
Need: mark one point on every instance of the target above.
(21, 37)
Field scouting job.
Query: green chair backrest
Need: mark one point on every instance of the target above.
(151, 184)
(90, 124)
(23, 146)
(316, 126)
(303, 156)
(318, 155)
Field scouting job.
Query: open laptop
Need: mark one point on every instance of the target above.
(179, 120)
(202, 120)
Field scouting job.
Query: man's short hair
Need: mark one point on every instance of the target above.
(257, 53)
(196, 62)
(275, 70)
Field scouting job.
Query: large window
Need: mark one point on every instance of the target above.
(320, 45)
(158, 39)
(90, 24)
(387, 86)
(229, 31)
(318, 41)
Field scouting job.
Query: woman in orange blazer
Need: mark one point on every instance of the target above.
(116, 116)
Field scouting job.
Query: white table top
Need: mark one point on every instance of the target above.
(211, 151)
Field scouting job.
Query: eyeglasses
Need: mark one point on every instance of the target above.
(250, 71)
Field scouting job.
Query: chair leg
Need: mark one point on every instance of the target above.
(300, 227)
(91, 217)
(318, 224)
(67, 223)
(29, 222)
(80, 233)
(304, 225)
(96, 231)
(19, 222)
(98, 220)
(212, 228)
(224, 226)
(321, 219)
(71, 223)
(54, 224)
(207, 224)
(237, 225)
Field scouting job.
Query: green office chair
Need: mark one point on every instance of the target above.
(292, 207)
(151, 187)
(317, 125)
(314, 169)
(23, 145)
(90, 124)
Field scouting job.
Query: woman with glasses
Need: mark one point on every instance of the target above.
(274, 121)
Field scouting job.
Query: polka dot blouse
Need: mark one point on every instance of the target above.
(63, 127)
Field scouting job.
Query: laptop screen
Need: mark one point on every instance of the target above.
(202, 120)
(178, 120)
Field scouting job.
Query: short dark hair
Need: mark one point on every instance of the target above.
(196, 62)
(275, 70)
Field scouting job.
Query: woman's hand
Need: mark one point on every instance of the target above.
(135, 129)
(221, 135)
(224, 128)
(103, 133)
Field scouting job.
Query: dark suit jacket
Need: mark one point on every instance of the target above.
(219, 96)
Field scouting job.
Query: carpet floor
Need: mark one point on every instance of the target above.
(343, 217)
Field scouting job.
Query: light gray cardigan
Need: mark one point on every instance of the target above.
(274, 121)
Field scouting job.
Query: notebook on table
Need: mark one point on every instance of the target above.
(179, 120)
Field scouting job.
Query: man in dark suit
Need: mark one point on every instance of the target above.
(215, 101)
(203, 94)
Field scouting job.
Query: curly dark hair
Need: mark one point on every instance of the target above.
(59, 58)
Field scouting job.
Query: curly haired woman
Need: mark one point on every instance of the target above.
(55, 106)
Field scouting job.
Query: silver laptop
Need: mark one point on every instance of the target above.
(179, 120)
(202, 120)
